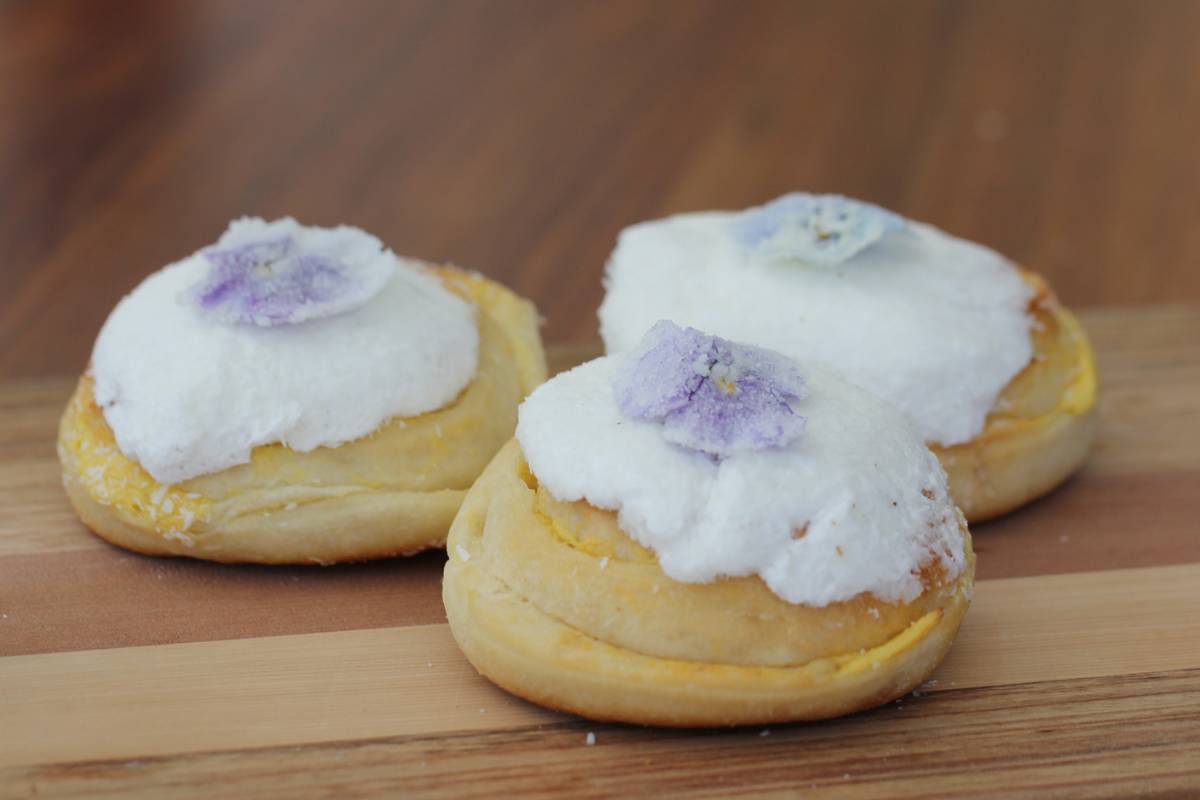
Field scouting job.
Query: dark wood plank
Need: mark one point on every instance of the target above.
(107, 597)
(519, 137)
(1134, 505)
(1111, 737)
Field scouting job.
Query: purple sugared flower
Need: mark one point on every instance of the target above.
(710, 394)
(280, 273)
(819, 229)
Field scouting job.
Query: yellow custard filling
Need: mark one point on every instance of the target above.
(1061, 377)
(115, 480)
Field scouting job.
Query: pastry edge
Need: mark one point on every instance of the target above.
(537, 657)
(359, 526)
(1005, 468)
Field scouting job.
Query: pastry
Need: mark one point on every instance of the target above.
(997, 375)
(701, 533)
(295, 394)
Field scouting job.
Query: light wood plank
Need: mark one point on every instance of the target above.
(1098, 737)
(293, 690)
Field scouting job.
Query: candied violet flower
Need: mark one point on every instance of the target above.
(709, 394)
(277, 280)
(819, 229)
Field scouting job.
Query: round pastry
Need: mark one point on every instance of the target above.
(997, 375)
(698, 533)
(295, 394)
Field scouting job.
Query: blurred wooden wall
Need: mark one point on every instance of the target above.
(518, 137)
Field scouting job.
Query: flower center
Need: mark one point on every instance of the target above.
(724, 378)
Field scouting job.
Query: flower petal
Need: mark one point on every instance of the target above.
(754, 417)
(709, 394)
(665, 369)
(276, 279)
(823, 230)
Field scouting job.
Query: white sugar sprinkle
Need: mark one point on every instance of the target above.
(179, 536)
(197, 399)
(462, 552)
(590, 739)
(735, 517)
(604, 562)
(934, 324)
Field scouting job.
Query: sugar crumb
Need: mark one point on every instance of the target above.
(590, 739)
(462, 552)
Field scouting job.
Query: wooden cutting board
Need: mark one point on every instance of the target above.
(1077, 671)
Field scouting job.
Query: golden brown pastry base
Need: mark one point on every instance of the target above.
(553, 603)
(393, 492)
(1040, 429)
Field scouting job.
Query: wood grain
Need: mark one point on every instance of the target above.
(294, 690)
(1098, 738)
(519, 137)
(1134, 505)
(1077, 672)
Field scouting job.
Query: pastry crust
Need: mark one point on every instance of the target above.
(393, 492)
(554, 603)
(1040, 429)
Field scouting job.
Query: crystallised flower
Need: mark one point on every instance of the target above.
(710, 394)
(819, 229)
(284, 274)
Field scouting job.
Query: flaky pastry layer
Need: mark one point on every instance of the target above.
(392, 492)
(553, 602)
(1040, 429)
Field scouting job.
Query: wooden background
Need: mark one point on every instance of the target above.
(518, 137)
